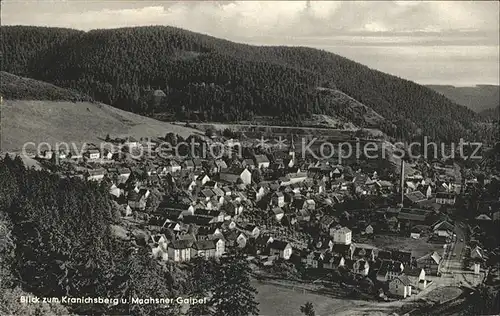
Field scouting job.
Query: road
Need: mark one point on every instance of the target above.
(452, 257)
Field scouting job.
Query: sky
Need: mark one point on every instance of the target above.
(434, 42)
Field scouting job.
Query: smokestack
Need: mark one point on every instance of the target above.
(402, 184)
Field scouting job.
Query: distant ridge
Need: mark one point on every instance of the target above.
(478, 98)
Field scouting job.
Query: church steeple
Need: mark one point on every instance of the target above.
(291, 150)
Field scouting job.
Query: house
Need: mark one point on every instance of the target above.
(341, 235)
(115, 191)
(261, 161)
(241, 240)
(128, 211)
(333, 262)
(173, 167)
(428, 192)
(256, 193)
(215, 166)
(413, 215)
(314, 259)
(215, 215)
(400, 286)
(327, 221)
(363, 253)
(296, 177)
(477, 254)
(369, 230)
(180, 250)
(416, 277)
(124, 174)
(415, 235)
(220, 245)
(361, 267)
(130, 142)
(443, 228)
(159, 246)
(262, 243)
(93, 154)
(203, 248)
(389, 270)
(251, 230)
(414, 197)
(431, 263)
(445, 198)
(309, 205)
(483, 217)
(202, 179)
(303, 216)
(188, 165)
(137, 200)
(342, 250)
(236, 175)
(278, 199)
(402, 256)
(281, 249)
(278, 213)
(95, 174)
(248, 163)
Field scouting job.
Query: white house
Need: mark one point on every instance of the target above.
(278, 213)
(159, 246)
(96, 174)
(281, 249)
(202, 179)
(180, 250)
(445, 198)
(369, 230)
(173, 166)
(93, 154)
(361, 267)
(416, 277)
(400, 286)
(341, 235)
(234, 176)
(278, 199)
(261, 161)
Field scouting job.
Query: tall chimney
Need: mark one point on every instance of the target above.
(402, 184)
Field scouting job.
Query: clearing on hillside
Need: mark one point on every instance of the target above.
(80, 122)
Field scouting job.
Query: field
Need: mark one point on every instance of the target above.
(279, 301)
(54, 121)
(418, 247)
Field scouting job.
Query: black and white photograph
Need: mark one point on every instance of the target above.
(249, 158)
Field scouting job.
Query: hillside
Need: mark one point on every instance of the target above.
(20, 88)
(209, 79)
(478, 98)
(36, 119)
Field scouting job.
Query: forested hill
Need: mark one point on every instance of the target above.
(206, 78)
(21, 45)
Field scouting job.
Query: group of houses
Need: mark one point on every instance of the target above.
(224, 203)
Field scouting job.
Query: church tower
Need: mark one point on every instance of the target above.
(291, 150)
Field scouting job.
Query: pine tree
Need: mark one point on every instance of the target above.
(308, 309)
(233, 293)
